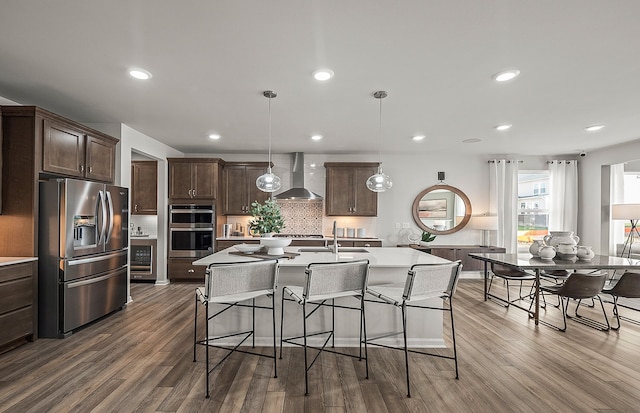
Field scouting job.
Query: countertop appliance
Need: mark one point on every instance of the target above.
(83, 254)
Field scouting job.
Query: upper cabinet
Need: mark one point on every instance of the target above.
(239, 186)
(70, 151)
(193, 178)
(346, 189)
(62, 147)
(144, 188)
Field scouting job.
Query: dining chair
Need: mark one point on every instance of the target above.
(509, 274)
(324, 283)
(578, 286)
(423, 282)
(234, 285)
(627, 286)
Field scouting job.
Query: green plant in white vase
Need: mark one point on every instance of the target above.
(267, 218)
(427, 237)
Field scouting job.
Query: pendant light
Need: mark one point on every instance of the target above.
(379, 182)
(269, 182)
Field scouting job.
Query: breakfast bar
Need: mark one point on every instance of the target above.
(387, 265)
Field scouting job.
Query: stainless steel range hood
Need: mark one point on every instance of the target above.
(298, 191)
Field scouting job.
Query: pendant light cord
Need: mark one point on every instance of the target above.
(380, 137)
(269, 134)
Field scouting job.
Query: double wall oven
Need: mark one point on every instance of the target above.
(191, 230)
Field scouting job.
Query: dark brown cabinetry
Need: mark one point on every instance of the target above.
(239, 186)
(62, 147)
(346, 189)
(74, 152)
(144, 188)
(193, 178)
(363, 243)
(17, 298)
(460, 252)
(182, 269)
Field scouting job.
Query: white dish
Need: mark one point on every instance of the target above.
(248, 248)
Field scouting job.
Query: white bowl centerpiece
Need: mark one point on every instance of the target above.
(248, 248)
(275, 246)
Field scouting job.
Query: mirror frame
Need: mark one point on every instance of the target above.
(462, 195)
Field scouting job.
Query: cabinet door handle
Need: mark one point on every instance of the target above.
(90, 169)
(367, 245)
(190, 193)
(194, 192)
(135, 208)
(81, 168)
(191, 270)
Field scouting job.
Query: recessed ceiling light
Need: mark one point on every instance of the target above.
(506, 75)
(472, 140)
(316, 137)
(214, 136)
(140, 74)
(323, 74)
(593, 128)
(418, 137)
(503, 127)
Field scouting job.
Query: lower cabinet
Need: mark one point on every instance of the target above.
(182, 269)
(17, 313)
(372, 243)
(461, 252)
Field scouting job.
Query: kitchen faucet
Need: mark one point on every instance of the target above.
(335, 238)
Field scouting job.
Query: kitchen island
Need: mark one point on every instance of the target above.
(387, 265)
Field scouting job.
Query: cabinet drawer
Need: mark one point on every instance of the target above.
(15, 294)
(183, 270)
(15, 271)
(16, 324)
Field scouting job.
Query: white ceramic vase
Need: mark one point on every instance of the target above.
(556, 237)
(535, 247)
(547, 252)
(585, 253)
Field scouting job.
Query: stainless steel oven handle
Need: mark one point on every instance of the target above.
(191, 229)
(90, 281)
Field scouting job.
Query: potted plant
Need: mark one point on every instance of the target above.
(427, 237)
(267, 218)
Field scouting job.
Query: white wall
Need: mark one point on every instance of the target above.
(593, 204)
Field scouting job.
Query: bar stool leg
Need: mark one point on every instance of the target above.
(453, 335)
(333, 323)
(206, 329)
(273, 317)
(281, 322)
(406, 352)
(304, 332)
(253, 323)
(363, 330)
(195, 329)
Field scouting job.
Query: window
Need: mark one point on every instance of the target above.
(533, 214)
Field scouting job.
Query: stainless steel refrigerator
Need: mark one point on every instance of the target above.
(83, 254)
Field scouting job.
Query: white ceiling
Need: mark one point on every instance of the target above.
(211, 60)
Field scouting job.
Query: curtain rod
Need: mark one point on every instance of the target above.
(507, 161)
(568, 162)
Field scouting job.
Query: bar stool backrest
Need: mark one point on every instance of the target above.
(582, 285)
(628, 285)
(336, 279)
(431, 281)
(240, 277)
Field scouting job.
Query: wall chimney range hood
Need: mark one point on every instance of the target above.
(298, 191)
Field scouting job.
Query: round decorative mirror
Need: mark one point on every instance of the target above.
(441, 209)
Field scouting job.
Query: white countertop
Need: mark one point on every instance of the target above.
(16, 260)
(324, 238)
(379, 257)
(143, 237)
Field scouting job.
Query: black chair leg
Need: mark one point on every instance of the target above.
(273, 317)
(304, 332)
(195, 329)
(453, 336)
(363, 330)
(281, 322)
(406, 351)
(615, 312)
(206, 329)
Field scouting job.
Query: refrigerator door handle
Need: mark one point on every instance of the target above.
(90, 281)
(103, 216)
(110, 203)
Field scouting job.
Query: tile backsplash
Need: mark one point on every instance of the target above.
(302, 217)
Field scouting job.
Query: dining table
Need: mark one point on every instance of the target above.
(526, 261)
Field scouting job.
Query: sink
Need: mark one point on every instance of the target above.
(352, 249)
(314, 249)
(327, 249)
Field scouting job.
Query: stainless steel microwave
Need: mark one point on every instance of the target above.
(191, 216)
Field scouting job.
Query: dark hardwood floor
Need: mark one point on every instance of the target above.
(140, 360)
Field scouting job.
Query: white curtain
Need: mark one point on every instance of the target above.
(503, 187)
(563, 196)
(616, 229)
